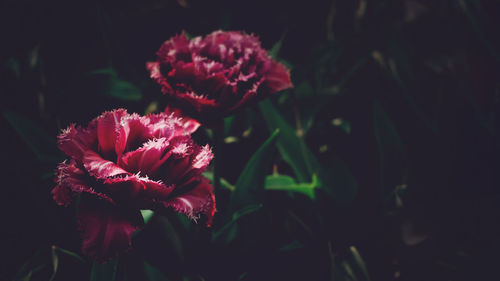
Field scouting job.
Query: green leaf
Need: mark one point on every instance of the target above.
(291, 148)
(287, 183)
(55, 263)
(104, 272)
(13, 65)
(116, 87)
(304, 90)
(69, 253)
(34, 136)
(336, 179)
(358, 260)
(228, 122)
(223, 182)
(27, 277)
(391, 150)
(107, 71)
(147, 215)
(275, 49)
(236, 216)
(342, 124)
(250, 184)
(292, 246)
(348, 271)
(339, 181)
(122, 89)
(476, 26)
(153, 273)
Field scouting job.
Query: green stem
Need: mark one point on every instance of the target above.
(219, 141)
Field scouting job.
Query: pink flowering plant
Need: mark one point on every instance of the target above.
(216, 127)
(123, 163)
(191, 140)
(212, 77)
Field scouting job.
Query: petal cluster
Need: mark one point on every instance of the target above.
(122, 163)
(211, 77)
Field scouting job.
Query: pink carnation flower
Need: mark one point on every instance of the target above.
(122, 163)
(211, 77)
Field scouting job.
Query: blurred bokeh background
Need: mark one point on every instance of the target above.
(397, 99)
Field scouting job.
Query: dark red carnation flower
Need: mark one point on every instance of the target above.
(122, 163)
(211, 77)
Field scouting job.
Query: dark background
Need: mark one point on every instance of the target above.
(431, 67)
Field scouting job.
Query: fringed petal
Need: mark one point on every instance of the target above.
(101, 168)
(107, 131)
(74, 141)
(137, 191)
(148, 158)
(134, 130)
(106, 229)
(72, 180)
(213, 76)
(277, 78)
(198, 200)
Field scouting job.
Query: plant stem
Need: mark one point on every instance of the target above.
(219, 141)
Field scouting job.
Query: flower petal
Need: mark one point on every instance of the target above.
(74, 141)
(62, 195)
(177, 48)
(134, 130)
(277, 78)
(107, 131)
(148, 158)
(198, 200)
(101, 168)
(73, 180)
(106, 229)
(139, 192)
(188, 124)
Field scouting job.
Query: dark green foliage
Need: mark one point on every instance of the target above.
(381, 164)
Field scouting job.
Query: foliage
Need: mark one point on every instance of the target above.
(380, 164)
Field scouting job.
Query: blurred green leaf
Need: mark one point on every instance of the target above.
(291, 148)
(275, 49)
(292, 246)
(336, 179)
(250, 184)
(476, 26)
(304, 90)
(13, 65)
(153, 273)
(339, 181)
(69, 253)
(171, 235)
(147, 215)
(223, 182)
(358, 260)
(242, 276)
(348, 271)
(116, 87)
(122, 89)
(104, 272)
(27, 277)
(342, 124)
(390, 147)
(34, 264)
(287, 183)
(228, 123)
(236, 216)
(107, 71)
(34, 136)
(55, 263)
(401, 71)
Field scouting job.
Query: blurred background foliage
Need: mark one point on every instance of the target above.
(381, 164)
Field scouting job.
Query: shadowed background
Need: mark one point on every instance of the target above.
(399, 98)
